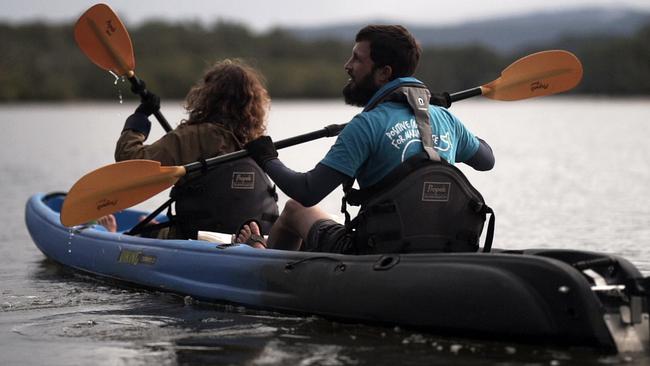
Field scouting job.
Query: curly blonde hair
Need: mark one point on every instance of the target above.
(232, 94)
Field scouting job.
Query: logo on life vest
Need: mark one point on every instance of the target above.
(243, 180)
(436, 191)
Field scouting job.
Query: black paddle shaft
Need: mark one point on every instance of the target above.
(328, 131)
(474, 92)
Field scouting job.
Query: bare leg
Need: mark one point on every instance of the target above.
(293, 225)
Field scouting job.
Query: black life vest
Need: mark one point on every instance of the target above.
(423, 205)
(223, 197)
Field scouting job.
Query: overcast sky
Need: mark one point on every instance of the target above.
(263, 14)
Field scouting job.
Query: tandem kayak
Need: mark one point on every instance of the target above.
(564, 297)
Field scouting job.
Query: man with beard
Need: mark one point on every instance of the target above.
(374, 143)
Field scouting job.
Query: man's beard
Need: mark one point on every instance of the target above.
(359, 94)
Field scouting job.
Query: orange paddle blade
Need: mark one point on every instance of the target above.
(103, 38)
(115, 187)
(539, 74)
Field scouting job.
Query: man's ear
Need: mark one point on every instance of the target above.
(383, 74)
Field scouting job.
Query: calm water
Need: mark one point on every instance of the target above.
(570, 173)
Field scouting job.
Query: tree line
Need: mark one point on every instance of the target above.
(42, 62)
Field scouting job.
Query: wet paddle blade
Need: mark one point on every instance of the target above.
(539, 74)
(103, 38)
(115, 187)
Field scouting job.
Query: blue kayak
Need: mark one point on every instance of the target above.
(564, 297)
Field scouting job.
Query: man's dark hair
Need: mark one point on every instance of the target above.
(392, 45)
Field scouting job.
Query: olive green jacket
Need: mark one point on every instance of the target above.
(185, 144)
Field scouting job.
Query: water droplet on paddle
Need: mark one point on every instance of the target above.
(117, 78)
(119, 91)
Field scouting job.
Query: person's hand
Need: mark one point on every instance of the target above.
(138, 86)
(150, 104)
(262, 150)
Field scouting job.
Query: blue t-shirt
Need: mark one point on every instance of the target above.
(377, 141)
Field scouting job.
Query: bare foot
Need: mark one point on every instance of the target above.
(108, 222)
(250, 235)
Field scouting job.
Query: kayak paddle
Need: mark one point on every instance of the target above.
(124, 184)
(121, 185)
(535, 75)
(101, 35)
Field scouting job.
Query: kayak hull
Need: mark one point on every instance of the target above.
(530, 295)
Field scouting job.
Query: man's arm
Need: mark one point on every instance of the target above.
(307, 188)
(483, 159)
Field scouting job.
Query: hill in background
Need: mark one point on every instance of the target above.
(505, 34)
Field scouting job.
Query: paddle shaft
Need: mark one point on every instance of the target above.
(328, 131)
(473, 92)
